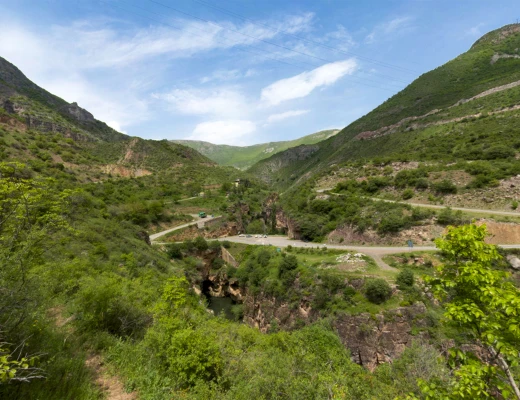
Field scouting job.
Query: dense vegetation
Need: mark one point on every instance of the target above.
(244, 157)
(79, 278)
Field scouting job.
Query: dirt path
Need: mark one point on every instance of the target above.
(474, 210)
(111, 386)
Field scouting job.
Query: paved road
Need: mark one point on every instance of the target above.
(198, 221)
(282, 241)
(372, 251)
(475, 210)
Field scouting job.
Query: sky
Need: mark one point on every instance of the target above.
(237, 72)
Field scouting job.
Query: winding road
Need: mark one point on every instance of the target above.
(376, 252)
(470, 210)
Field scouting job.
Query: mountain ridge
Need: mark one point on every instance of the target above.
(243, 157)
(439, 92)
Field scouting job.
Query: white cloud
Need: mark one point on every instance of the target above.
(227, 131)
(303, 84)
(95, 62)
(216, 102)
(340, 38)
(390, 29)
(222, 75)
(285, 115)
(475, 31)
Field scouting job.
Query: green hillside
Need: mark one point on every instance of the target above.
(244, 157)
(92, 309)
(449, 113)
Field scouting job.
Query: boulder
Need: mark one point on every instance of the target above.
(514, 261)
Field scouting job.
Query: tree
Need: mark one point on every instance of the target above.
(378, 291)
(480, 300)
(32, 211)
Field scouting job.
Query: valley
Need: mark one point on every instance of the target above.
(377, 261)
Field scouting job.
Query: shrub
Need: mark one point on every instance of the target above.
(391, 223)
(200, 243)
(422, 183)
(405, 278)
(408, 194)
(445, 187)
(378, 291)
(448, 217)
(514, 205)
(174, 251)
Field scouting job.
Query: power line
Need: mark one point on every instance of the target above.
(355, 79)
(286, 32)
(241, 33)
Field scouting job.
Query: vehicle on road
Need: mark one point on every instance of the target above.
(241, 235)
(249, 236)
(202, 214)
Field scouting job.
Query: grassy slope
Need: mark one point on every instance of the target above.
(244, 157)
(462, 78)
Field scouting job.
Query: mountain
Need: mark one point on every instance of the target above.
(51, 135)
(459, 110)
(245, 157)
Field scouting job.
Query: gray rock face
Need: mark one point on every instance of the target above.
(514, 261)
(77, 112)
(374, 340)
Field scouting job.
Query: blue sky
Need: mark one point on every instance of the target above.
(235, 71)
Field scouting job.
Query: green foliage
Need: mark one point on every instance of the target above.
(445, 187)
(408, 194)
(405, 278)
(449, 217)
(200, 243)
(378, 291)
(482, 301)
(245, 156)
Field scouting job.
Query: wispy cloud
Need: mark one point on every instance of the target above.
(475, 31)
(390, 29)
(339, 38)
(288, 114)
(223, 75)
(234, 132)
(303, 84)
(95, 62)
(218, 102)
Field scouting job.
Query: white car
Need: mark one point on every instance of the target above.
(241, 235)
(257, 236)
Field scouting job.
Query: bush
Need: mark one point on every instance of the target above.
(405, 278)
(408, 194)
(422, 183)
(200, 243)
(174, 251)
(445, 187)
(448, 217)
(378, 291)
(391, 223)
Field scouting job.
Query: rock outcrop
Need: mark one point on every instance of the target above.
(76, 112)
(377, 339)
